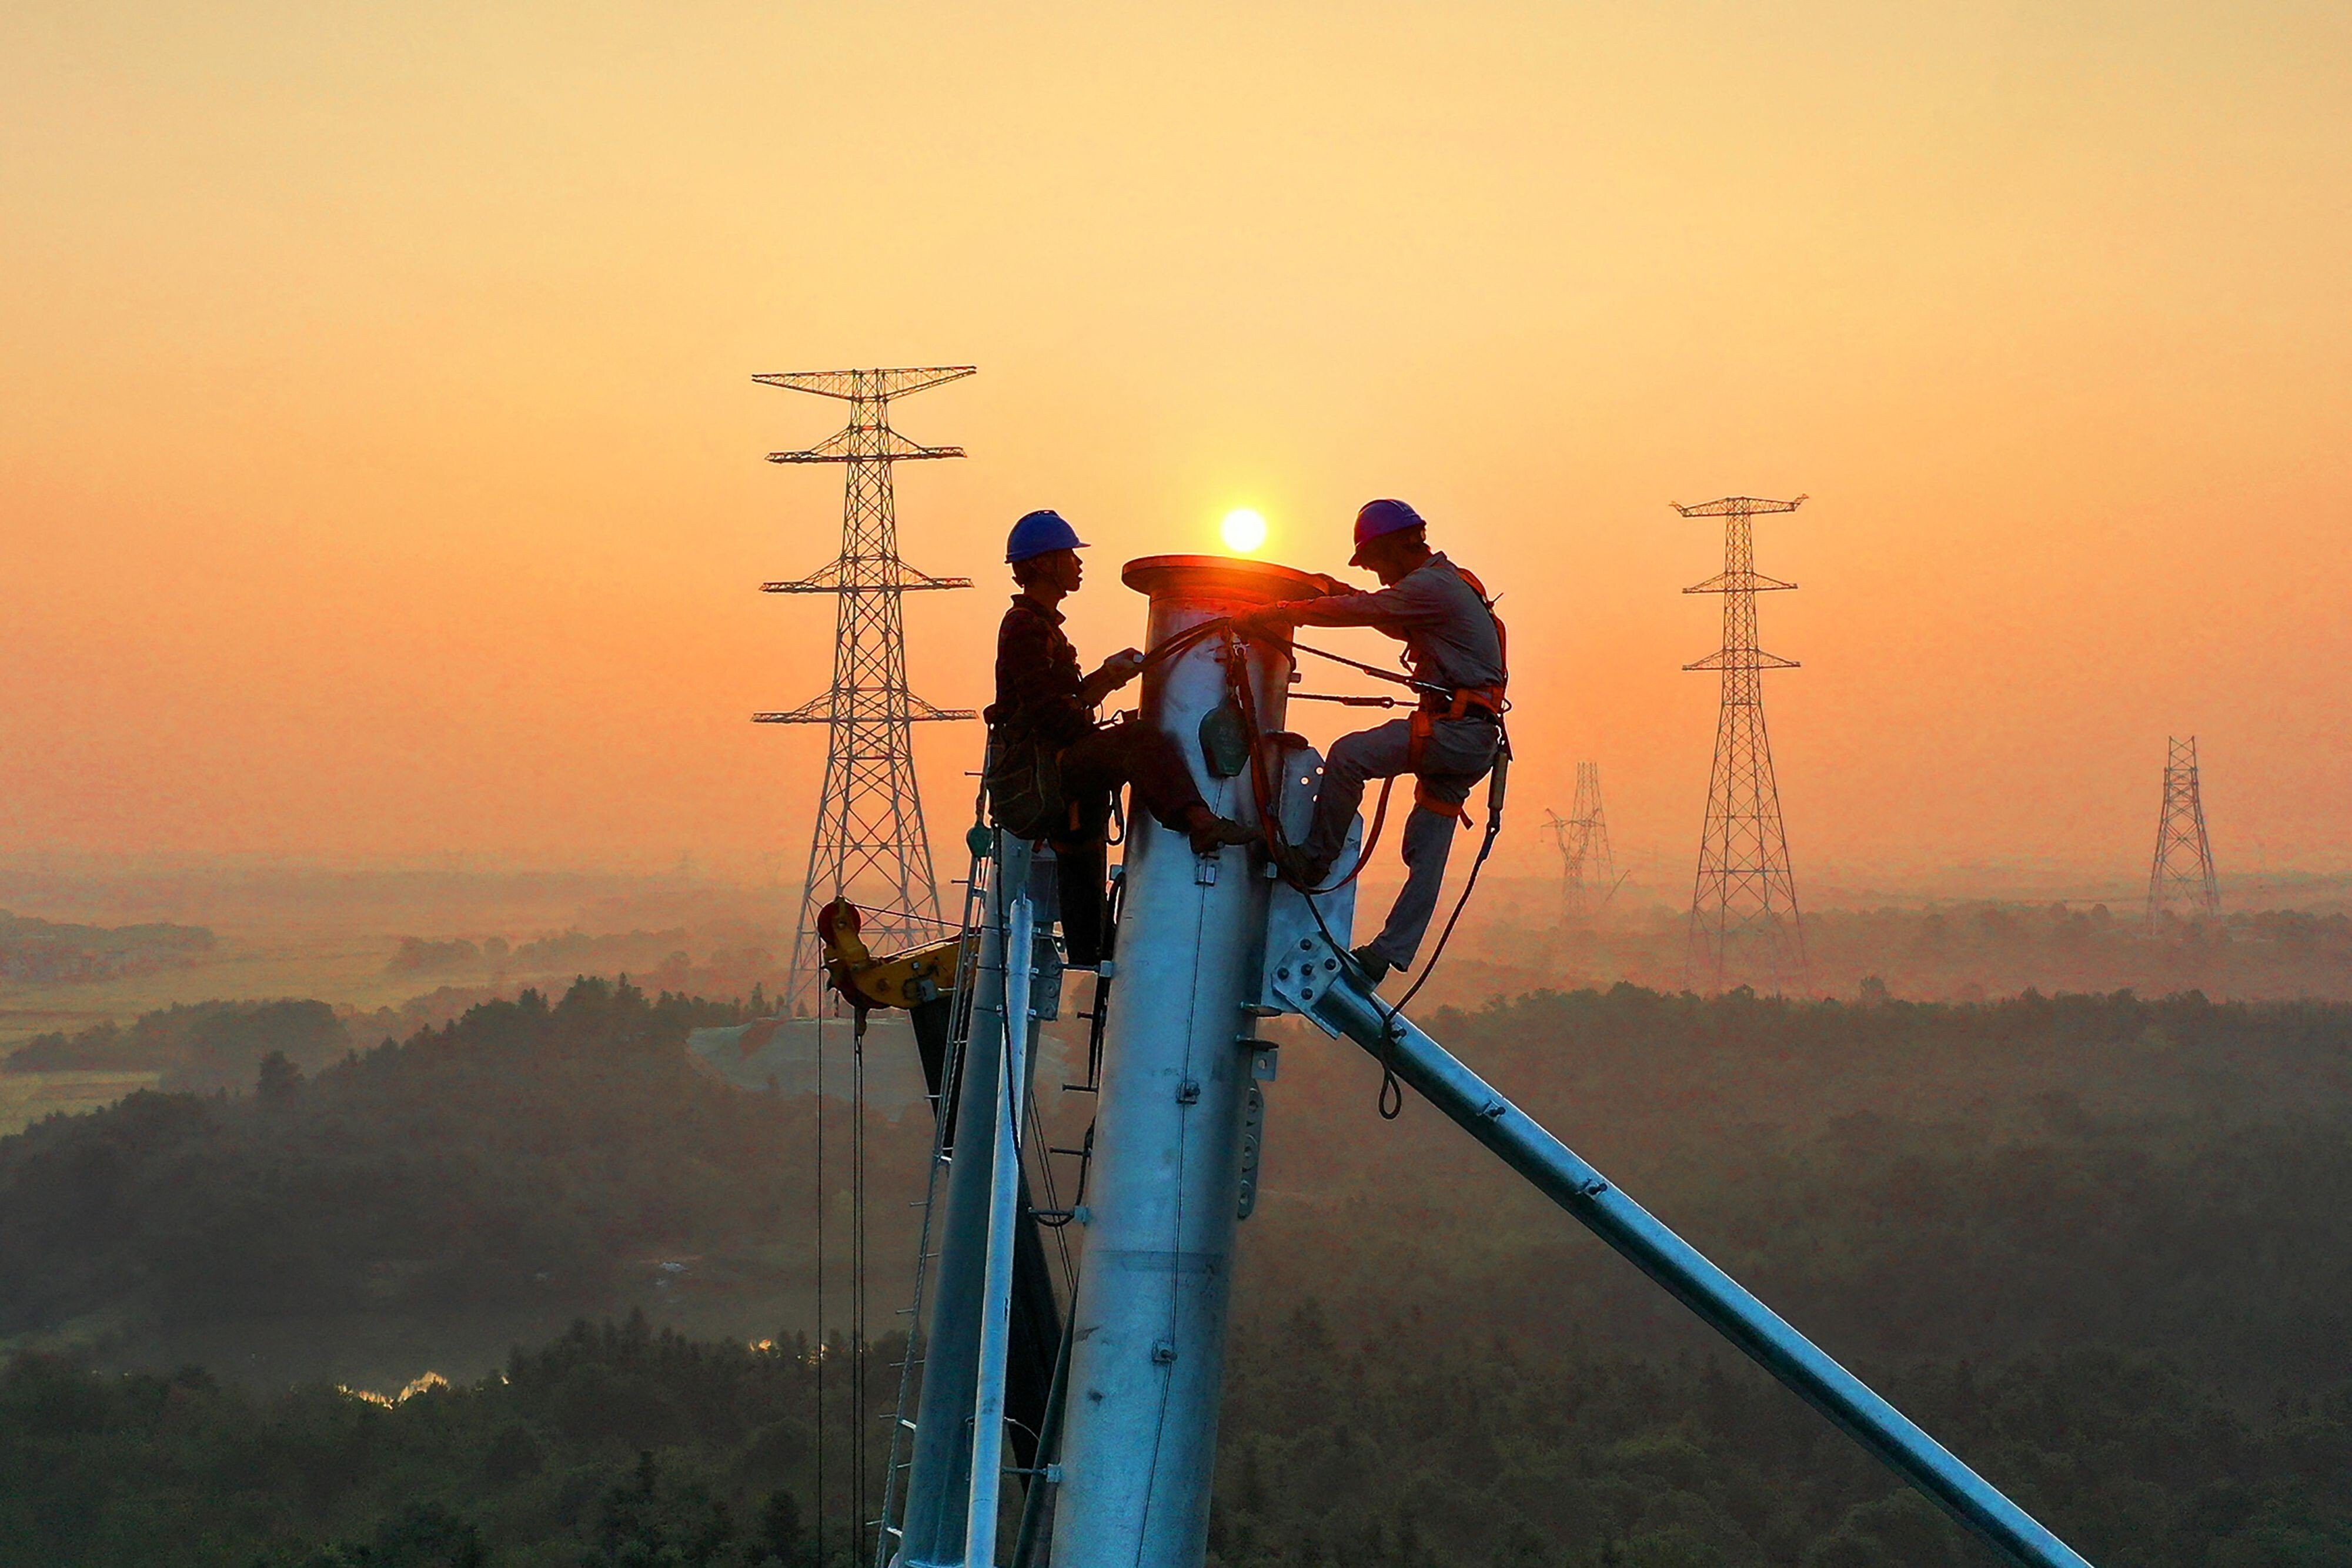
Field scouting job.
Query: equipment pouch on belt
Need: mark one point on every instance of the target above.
(1024, 787)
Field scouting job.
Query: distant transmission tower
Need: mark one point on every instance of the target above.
(2183, 871)
(1744, 924)
(1586, 860)
(868, 840)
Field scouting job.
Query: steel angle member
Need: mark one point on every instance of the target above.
(1301, 960)
(1006, 1114)
(1555, 1170)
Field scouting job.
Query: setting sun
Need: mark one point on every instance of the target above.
(1244, 530)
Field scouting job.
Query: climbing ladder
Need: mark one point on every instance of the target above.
(1056, 1215)
(980, 886)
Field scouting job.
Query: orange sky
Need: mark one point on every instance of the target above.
(381, 468)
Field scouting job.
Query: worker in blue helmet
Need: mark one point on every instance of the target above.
(1054, 770)
(1454, 648)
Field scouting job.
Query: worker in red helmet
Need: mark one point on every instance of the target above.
(1453, 650)
(1053, 770)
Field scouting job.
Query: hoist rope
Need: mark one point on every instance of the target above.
(820, 1498)
(859, 1423)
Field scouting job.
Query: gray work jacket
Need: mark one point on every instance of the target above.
(1450, 637)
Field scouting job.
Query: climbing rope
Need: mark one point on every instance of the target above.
(1392, 1093)
(820, 1498)
(857, 1331)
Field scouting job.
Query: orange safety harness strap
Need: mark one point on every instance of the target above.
(1428, 803)
(1422, 722)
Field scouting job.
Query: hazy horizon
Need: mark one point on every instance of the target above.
(383, 476)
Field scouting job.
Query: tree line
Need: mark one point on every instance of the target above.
(1425, 1443)
(2102, 1244)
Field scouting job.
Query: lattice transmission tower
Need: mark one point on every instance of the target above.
(869, 841)
(2182, 873)
(1586, 861)
(1744, 924)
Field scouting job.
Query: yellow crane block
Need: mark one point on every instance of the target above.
(903, 979)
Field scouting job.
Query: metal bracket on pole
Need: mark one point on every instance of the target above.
(1252, 1144)
(1295, 940)
(1315, 979)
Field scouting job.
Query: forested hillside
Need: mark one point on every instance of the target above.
(522, 1162)
(1907, 1180)
(2101, 1244)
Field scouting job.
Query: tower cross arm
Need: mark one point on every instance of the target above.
(820, 710)
(830, 579)
(857, 386)
(816, 710)
(880, 445)
(1744, 659)
(1739, 582)
(919, 710)
(1737, 507)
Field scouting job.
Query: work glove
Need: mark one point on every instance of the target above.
(1115, 672)
(1269, 623)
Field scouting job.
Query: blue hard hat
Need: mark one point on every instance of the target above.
(1040, 533)
(1378, 518)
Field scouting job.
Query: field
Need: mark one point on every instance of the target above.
(26, 1097)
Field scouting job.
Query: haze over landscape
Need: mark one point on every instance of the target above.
(402, 1163)
(381, 468)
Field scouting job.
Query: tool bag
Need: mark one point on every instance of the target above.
(1024, 786)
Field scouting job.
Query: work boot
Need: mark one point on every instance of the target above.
(1306, 872)
(1210, 832)
(1375, 968)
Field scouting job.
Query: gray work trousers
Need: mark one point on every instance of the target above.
(1459, 753)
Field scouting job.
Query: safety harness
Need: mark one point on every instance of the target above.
(1459, 701)
(1390, 1102)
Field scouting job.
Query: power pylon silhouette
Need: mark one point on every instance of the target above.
(1744, 923)
(1586, 861)
(869, 839)
(2183, 870)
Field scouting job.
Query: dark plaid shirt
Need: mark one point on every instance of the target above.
(1039, 694)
